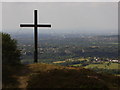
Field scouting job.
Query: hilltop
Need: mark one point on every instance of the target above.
(54, 76)
(41, 75)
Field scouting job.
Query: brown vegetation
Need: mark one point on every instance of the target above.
(53, 76)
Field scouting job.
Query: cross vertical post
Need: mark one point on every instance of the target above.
(35, 37)
(35, 25)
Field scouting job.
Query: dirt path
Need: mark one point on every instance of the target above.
(24, 77)
(23, 82)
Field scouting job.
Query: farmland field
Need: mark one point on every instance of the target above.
(104, 66)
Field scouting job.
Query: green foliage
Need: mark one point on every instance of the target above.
(10, 61)
(10, 53)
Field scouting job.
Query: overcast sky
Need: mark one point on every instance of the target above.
(65, 17)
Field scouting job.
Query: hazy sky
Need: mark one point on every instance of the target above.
(80, 17)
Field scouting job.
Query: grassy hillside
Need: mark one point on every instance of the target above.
(54, 76)
(111, 66)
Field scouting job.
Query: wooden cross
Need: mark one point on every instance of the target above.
(35, 25)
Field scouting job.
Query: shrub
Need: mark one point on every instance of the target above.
(10, 61)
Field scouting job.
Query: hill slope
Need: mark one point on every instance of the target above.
(53, 76)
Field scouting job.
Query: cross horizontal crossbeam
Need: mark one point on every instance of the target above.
(32, 25)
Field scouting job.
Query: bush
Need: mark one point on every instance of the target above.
(10, 61)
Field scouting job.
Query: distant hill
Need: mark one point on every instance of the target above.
(54, 76)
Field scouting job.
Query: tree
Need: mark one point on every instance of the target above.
(10, 60)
